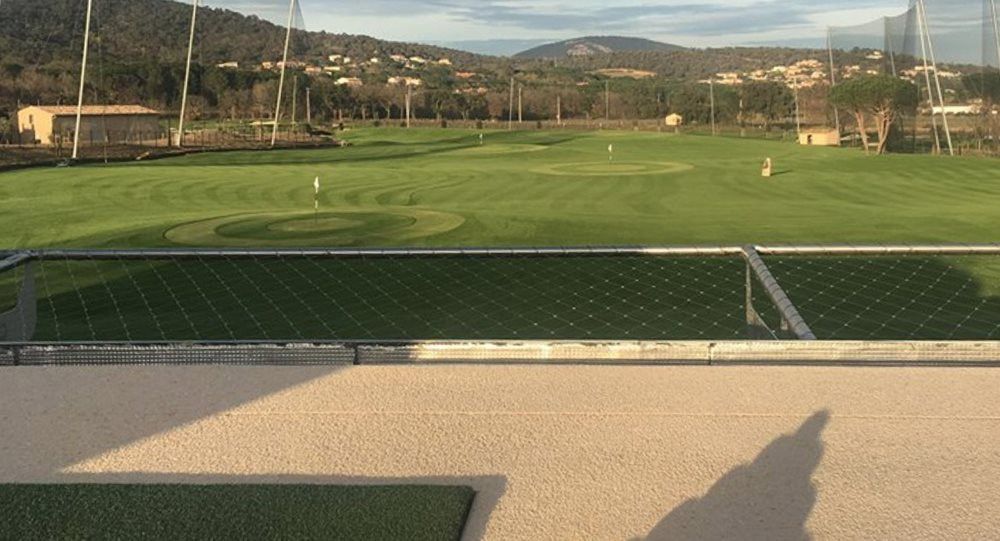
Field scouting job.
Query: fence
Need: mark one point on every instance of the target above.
(702, 305)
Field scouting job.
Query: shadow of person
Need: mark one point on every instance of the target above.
(770, 498)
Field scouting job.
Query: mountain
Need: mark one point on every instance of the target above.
(596, 45)
(493, 47)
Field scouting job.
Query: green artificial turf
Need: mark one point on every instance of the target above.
(233, 512)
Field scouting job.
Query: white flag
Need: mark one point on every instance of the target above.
(316, 185)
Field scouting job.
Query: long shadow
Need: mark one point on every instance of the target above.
(768, 499)
(50, 422)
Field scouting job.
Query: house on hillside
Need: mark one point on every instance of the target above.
(52, 124)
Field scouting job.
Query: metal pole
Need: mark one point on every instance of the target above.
(798, 115)
(409, 104)
(510, 108)
(996, 28)
(937, 77)
(927, 77)
(187, 74)
(833, 78)
(83, 80)
(889, 47)
(711, 92)
(295, 95)
(789, 313)
(607, 101)
(520, 104)
(309, 107)
(284, 65)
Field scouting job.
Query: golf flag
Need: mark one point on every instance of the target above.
(316, 197)
(611, 152)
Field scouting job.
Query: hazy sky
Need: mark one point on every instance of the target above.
(686, 22)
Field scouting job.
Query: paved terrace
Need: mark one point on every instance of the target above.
(557, 452)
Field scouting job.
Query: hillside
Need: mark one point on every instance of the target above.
(37, 33)
(597, 45)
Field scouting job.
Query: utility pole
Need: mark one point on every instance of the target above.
(607, 101)
(309, 116)
(510, 108)
(996, 28)
(937, 77)
(187, 74)
(284, 66)
(711, 92)
(520, 104)
(409, 103)
(83, 80)
(798, 115)
(833, 76)
(295, 95)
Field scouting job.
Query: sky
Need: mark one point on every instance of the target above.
(686, 22)
(479, 25)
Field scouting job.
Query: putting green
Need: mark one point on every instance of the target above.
(601, 169)
(339, 228)
(500, 149)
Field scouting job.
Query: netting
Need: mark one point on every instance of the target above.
(895, 298)
(960, 31)
(395, 298)
(281, 297)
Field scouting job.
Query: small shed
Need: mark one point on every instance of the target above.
(674, 120)
(48, 124)
(820, 138)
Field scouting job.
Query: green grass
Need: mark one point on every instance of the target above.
(438, 187)
(178, 512)
(441, 188)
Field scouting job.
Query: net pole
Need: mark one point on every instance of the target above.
(927, 78)
(789, 313)
(833, 77)
(284, 66)
(937, 77)
(996, 28)
(83, 81)
(889, 47)
(510, 107)
(187, 74)
(711, 91)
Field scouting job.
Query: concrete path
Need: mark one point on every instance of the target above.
(556, 452)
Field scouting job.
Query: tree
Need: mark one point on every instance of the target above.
(882, 97)
(769, 101)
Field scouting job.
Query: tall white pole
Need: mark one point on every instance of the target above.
(284, 66)
(833, 77)
(927, 78)
(187, 75)
(711, 99)
(83, 80)
(996, 28)
(510, 108)
(937, 77)
(798, 113)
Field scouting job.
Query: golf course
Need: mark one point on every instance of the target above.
(420, 188)
(395, 187)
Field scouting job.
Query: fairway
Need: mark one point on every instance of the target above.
(395, 187)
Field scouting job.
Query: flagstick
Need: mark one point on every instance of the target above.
(284, 65)
(83, 80)
(187, 75)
